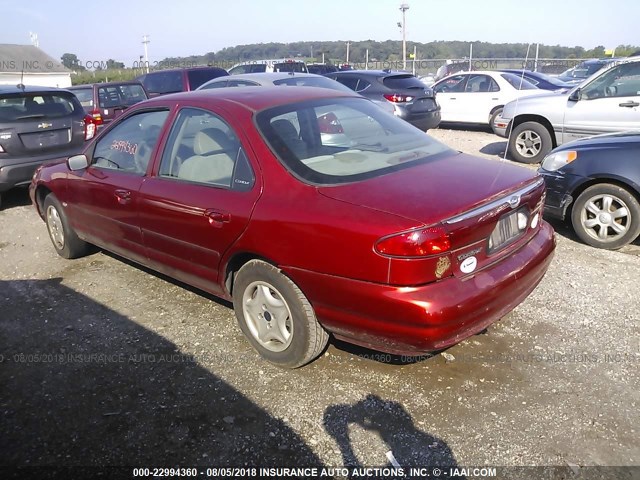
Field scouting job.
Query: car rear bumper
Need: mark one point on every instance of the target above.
(14, 172)
(423, 120)
(426, 318)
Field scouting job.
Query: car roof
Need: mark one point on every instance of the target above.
(264, 78)
(105, 84)
(185, 69)
(252, 98)
(372, 73)
(4, 89)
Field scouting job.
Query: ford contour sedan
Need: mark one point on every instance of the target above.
(315, 212)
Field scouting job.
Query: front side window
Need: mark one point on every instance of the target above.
(202, 148)
(620, 81)
(342, 140)
(128, 146)
(451, 84)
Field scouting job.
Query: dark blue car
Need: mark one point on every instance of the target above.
(540, 80)
(595, 184)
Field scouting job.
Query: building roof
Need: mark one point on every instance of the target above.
(28, 59)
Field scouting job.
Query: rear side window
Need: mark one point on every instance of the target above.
(120, 95)
(37, 105)
(401, 82)
(198, 77)
(85, 96)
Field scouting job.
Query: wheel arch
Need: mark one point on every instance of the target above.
(41, 194)
(520, 119)
(236, 262)
(622, 182)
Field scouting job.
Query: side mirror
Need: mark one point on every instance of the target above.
(576, 95)
(77, 162)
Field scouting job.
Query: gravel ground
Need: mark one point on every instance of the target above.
(105, 363)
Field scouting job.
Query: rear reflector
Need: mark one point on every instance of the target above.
(415, 243)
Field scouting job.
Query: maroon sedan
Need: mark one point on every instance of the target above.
(313, 210)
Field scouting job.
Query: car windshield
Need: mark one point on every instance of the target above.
(519, 83)
(29, 106)
(290, 67)
(85, 95)
(340, 140)
(322, 82)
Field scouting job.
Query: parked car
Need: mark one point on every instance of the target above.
(399, 92)
(321, 68)
(594, 184)
(540, 80)
(395, 242)
(578, 74)
(36, 125)
(176, 80)
(606, 103)
(268, 66)
(478, 97)
(106, 101)
(271, 79)
(451, 67)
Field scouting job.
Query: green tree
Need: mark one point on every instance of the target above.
(71, 61)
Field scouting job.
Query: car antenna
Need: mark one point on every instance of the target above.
(515, 111)
(21, 84)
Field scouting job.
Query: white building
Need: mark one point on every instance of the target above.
(29, 65)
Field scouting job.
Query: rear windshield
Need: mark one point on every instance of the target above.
(403, 82)
(163, 82)
(198, 77)
(322, 82)
(519, 83)
(114, 96)
(28, 106)
(290, 67)
(84, 95)
(340, 140)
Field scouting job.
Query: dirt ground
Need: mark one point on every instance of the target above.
(105, 363)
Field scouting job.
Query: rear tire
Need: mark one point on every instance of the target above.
(529, 142)
(492, 118)
(276, 317)
(606, 216)
(63, 237)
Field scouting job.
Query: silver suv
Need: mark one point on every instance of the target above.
(606, 102)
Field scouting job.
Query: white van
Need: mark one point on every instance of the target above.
(274, 65)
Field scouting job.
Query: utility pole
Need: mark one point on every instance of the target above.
(145, 42)
(403, 8)
(348, 43)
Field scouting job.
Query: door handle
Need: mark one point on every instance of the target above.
(217, 218)
(123, 196)
(629, 104)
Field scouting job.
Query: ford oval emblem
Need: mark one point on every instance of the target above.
(514, 201)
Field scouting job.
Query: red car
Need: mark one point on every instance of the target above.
(313, 210)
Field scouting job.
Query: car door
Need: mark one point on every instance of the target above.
(104, 196)
(481, 94)
(609, 103)
(199, 200)
(450, 97)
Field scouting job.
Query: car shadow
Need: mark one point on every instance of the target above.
(498, 149)
(83, 385)
(16, 197)
(564, 229)
(471, 127)
(405, 444)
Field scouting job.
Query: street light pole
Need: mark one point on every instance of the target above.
(145, 42)
(403, 8)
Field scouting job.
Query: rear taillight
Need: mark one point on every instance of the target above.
(421, 242)
(97, 116)
(90, 127)
(396, 98)
(329, 123)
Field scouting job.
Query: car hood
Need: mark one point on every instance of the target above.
(553, 101)
(438, 189)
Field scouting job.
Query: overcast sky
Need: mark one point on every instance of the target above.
(114, 28)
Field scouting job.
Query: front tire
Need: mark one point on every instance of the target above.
(276, 317)
(529, 142)
(606, 216)
(63, 237)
